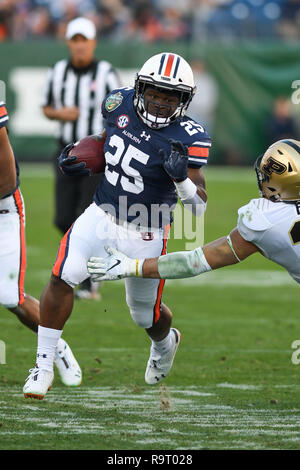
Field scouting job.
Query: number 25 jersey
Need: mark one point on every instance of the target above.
(134, 173)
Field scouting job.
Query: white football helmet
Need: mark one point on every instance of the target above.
(167, 72)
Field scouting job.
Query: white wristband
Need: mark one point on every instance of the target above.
(138, 267)
(186, 189)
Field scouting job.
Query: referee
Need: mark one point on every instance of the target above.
(74, 91)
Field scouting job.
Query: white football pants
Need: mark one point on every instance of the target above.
(12, 250)
(88, 236)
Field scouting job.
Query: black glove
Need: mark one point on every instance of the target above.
(68, 167)
(176, 163)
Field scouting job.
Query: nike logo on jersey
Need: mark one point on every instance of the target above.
(118, 261)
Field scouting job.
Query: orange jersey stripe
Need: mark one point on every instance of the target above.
(169, 65)
(162, 281)
(61, 254)
(198, 152)
(19, 203)
(3, 111)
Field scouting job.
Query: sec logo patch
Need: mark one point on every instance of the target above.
(123, 121)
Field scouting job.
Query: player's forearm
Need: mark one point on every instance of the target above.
(214, 255)
(7, 187)
(192, 196)
(150, 268)
(61, 114)
(51, 113)
(176, 265)
(219, 253)
(228, 250)
(7, 165)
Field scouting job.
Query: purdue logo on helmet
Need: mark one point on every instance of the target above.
(278, 171)
(273, 165)
(169, 73)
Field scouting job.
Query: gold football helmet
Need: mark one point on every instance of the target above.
(278, 171)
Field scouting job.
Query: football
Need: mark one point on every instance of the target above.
(90, 150)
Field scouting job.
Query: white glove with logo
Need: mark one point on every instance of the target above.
(115, 266)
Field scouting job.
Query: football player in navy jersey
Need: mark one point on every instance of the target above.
(13, 255)
(154, 153)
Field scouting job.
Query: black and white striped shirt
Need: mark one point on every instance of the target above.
(85, 88)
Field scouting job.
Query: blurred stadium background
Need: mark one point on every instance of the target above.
(245, 54)
(234, 369)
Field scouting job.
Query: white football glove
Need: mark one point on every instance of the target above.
(115, 266)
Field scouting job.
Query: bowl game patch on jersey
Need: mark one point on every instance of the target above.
(113, 101)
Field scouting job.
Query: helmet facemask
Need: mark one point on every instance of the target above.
(168, 73)
(261, 178)
(142, 105)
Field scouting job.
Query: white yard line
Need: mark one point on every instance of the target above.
(199, 417)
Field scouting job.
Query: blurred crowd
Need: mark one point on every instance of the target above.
(151, 21)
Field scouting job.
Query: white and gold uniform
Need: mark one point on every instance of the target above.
(274, 227)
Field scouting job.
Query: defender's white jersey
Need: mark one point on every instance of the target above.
(274, 227)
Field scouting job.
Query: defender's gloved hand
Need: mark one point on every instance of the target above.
(68, 167)
(115, 266)
(176, 163)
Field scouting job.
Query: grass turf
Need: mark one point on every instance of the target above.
(232, 386)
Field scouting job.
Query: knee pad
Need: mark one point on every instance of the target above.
(141, 312)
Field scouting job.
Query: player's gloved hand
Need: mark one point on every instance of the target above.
(115, 266)
(176, 163)
(68, 166)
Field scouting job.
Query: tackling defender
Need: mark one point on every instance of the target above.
(145, 169)
(13, 255)
(269, 225)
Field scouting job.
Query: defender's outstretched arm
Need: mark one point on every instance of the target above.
(222, 252)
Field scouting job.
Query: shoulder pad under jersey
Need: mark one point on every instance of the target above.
(251, 220)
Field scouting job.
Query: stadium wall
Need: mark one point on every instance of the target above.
(249, 78)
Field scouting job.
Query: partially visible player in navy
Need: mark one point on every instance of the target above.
(153, 155)
(13, 255)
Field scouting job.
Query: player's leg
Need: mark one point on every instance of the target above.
(144, 297)
(70, 204)
(87, 188)
(28, 313)
(161, 328)
(55, 308)
(69, 270)
(12, 275)
(147, 311)
(12, 251)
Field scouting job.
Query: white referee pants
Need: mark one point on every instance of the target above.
(88, 236)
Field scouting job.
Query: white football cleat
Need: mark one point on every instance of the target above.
(159, 367)
(38, 383)
(68, 368)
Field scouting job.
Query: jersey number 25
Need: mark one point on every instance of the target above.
(132, 153)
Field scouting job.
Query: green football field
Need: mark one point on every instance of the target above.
(233, 384)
